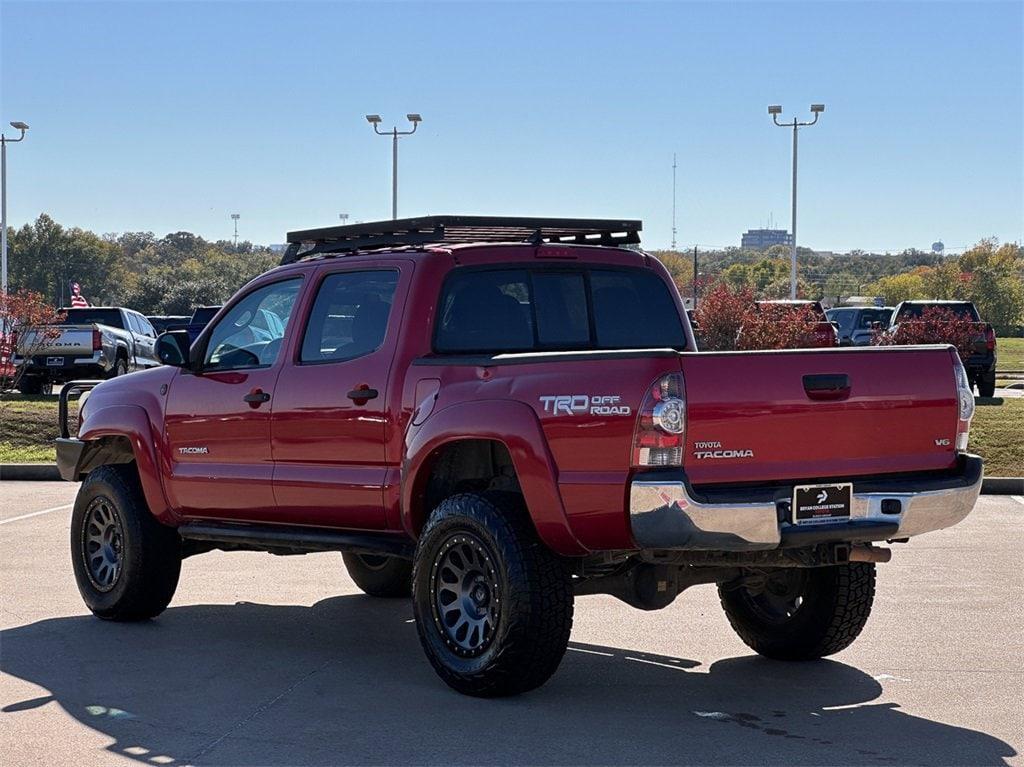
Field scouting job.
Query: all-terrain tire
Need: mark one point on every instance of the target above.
(33, 385)
(126, 563)
(987, 384)
(834, 604)
(524, 588)
(380, 576)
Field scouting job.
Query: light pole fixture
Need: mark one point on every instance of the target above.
(4, 141)
(344, 218)
(235, 217)
(775, 110)
(375, 121)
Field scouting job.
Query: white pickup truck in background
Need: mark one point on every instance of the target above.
(93, 342)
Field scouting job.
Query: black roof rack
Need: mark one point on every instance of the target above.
(458, 229)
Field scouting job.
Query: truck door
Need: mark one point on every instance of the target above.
(218, 417)
(330, 414)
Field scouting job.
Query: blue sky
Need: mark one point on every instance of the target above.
(170, 116)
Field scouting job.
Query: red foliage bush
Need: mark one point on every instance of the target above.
(729, 319)
(720, 315)
(937, 325)
(778, 326)
(19, 312)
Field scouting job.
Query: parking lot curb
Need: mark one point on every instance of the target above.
(1003, 486)
(47, 472)
(40, 472)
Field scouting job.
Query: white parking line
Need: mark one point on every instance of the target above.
(1019, 499)
(36, 513)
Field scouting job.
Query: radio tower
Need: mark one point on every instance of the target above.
(673, 201)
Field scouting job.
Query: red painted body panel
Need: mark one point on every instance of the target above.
(900, 402)
(132, 407)
(329, 451)
(515, 426)
(233, 480)
(310, 456)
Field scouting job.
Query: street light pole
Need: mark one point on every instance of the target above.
(235, 217)
(775, 110)
(20, 126)
(375, 120)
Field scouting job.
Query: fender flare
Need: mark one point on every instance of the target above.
(514, 425)
(132, 422)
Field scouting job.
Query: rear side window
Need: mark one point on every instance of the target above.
(349, 318)
(516, 310)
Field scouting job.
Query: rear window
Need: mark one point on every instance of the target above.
(844, 318)
(963, 310)
(111, 317)
(518, 310)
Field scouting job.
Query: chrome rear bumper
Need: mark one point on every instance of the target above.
(665, 515)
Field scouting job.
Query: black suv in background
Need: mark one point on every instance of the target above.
(856, 324)
(981, 365)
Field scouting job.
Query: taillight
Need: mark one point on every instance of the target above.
(97, 340)
(965, 404)
(990, 338)
(661, 424)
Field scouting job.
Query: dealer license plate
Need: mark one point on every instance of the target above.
(54, 361)
(821, 503)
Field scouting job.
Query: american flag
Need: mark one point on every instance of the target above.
(78, 301)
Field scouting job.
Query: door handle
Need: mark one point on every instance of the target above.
(827, 386)
(256, 397)
(362, 394)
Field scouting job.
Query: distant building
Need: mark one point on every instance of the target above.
(762, 239)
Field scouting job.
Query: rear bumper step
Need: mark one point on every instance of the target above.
(665, 513)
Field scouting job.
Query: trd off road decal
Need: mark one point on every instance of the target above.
(583, 404)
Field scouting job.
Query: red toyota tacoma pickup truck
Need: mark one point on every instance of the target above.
(497, 415)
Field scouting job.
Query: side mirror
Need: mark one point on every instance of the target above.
(172, 348)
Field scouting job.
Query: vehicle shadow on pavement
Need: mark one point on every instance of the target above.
(345, 681)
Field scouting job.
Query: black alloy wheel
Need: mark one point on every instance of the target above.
(466, 594)
(102, 546)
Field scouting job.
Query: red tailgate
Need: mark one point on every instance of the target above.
(765, 416)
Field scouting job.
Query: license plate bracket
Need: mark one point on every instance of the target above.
(815, 504)
(54, 361)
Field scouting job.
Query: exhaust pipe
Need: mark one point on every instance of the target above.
(869, 554)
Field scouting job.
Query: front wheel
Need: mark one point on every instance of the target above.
(493, 605)
(801, 614)
(125, 562)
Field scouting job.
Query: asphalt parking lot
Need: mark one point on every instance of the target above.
(280, 660)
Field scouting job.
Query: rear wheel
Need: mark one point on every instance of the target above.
(493, 605)
(33, 385)
(120, 368)
(379, 575)
(801, 614)
(987, 384)
(125, 562)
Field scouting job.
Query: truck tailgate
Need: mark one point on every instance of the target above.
(784, 415)
(73, 340)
